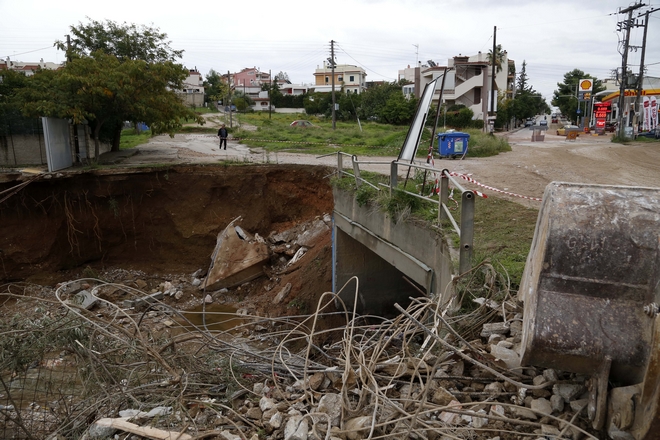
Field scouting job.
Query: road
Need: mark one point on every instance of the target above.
(526, 170)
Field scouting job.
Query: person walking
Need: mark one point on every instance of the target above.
(222, 134)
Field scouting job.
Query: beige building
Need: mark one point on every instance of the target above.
(192, 92)
(348, 78)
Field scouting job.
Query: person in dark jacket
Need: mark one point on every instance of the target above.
(222, 134)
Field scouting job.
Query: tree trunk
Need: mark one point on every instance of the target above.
(97, 146)
(116, 137)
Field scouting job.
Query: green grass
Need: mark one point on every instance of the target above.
(373, 139)
(130, 138)
(203, 110)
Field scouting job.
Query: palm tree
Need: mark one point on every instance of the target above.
(499, 57)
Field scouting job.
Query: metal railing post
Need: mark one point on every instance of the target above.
(467, 231)
(444, 197)
(356, 171)
(394, 171)
(340, 165)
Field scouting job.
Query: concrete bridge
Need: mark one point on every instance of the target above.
(394, 261)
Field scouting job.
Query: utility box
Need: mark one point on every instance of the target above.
(453, 144)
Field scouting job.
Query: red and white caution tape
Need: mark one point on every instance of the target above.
(471, 180)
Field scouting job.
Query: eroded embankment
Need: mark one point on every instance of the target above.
(163, 219)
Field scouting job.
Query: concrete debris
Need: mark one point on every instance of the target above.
(296, 428)
(84, 299)
(208, 299)
(237, 258)
(144, 301)
(500, 328)
(312, 233)
(282, 294)
(298, 255)
(508, 356)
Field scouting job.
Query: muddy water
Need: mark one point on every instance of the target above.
(216, 317)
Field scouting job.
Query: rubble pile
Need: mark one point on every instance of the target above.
(125, 360)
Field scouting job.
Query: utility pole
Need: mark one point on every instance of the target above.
(68, 48)
(229, 97)
(270, 89)
(640, 78)
(626, 25)
(76, 143)
(332, 65)
(493, 61)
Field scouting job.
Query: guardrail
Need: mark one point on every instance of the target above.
(466, 229)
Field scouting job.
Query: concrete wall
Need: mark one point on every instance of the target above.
(367, 243)
(30, 149)
(18, 149)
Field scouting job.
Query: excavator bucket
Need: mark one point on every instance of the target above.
(593, 268)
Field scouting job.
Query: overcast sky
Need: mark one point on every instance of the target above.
(382, 36)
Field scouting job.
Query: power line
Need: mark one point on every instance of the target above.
(30, 51)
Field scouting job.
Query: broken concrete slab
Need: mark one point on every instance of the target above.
(312, 234)
(140, 302)
(84, 299)
(237, 258)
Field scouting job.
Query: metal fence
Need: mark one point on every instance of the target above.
(465, 230)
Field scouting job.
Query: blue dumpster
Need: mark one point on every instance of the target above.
(453, 144)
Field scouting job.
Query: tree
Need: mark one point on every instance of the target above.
(11, 83)
(216, 89)
(522, 78)
(124, 41)
(499, 57)
(283, 76)
(128, 43)
(565, 97)
(102, 90)
(382, 103)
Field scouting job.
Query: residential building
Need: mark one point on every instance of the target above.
(293, 89)
(468, 81)
(348, 78)
(249, 81)
(28, 68)
(192, 92)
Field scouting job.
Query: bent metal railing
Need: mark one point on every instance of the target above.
(466, 229)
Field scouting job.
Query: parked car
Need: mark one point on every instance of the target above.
(554, 120)
(543, 123)
(529, 123)
(610, 127)
(301, 123)
(566, 128)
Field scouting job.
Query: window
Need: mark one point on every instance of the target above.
(351, 78)
(340, 78)
(327, 79)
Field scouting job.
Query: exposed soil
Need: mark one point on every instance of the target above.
(154, 223)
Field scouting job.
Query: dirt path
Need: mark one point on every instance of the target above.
(526, 170)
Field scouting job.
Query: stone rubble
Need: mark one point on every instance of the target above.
(462, 396)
